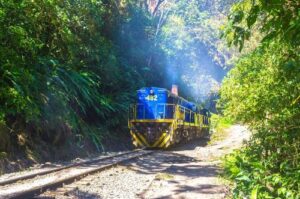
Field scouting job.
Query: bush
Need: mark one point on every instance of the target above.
(254, 178)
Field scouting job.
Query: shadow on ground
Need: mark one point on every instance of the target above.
(173, 164)
(191, 145)
(206, 189)
(177, 163)
(177, 167)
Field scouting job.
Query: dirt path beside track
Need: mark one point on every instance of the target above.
(197, 179)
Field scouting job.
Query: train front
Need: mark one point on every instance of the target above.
(151, 118)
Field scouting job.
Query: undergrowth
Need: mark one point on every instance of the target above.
(253, 178)
(219, 124)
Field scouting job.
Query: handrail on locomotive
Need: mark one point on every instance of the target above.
(182, 116)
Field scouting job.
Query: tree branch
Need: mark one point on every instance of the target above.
(157, 6)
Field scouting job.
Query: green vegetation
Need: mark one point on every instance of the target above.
(263, 90)
(219, 127)
(71, 68)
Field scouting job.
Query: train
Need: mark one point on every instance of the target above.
(160, 118)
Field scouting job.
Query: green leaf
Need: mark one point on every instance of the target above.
(254, 193)
(253, 14)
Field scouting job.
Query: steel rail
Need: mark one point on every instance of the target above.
(108, 162)
(32, 175)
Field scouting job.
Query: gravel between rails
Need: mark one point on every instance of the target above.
(119, 182)
(189, 171)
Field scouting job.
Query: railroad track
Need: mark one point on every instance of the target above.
(31, 185)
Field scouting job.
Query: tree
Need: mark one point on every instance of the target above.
(262, 90)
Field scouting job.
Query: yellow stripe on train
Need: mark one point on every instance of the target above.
(165, 142)
(159, 140)
(138, 142)
(143, 139)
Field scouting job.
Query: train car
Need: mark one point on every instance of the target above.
(161, 118)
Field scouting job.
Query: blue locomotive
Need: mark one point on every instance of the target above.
(161, 118)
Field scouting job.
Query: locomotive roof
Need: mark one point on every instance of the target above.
(169, 93)
(153, 88)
